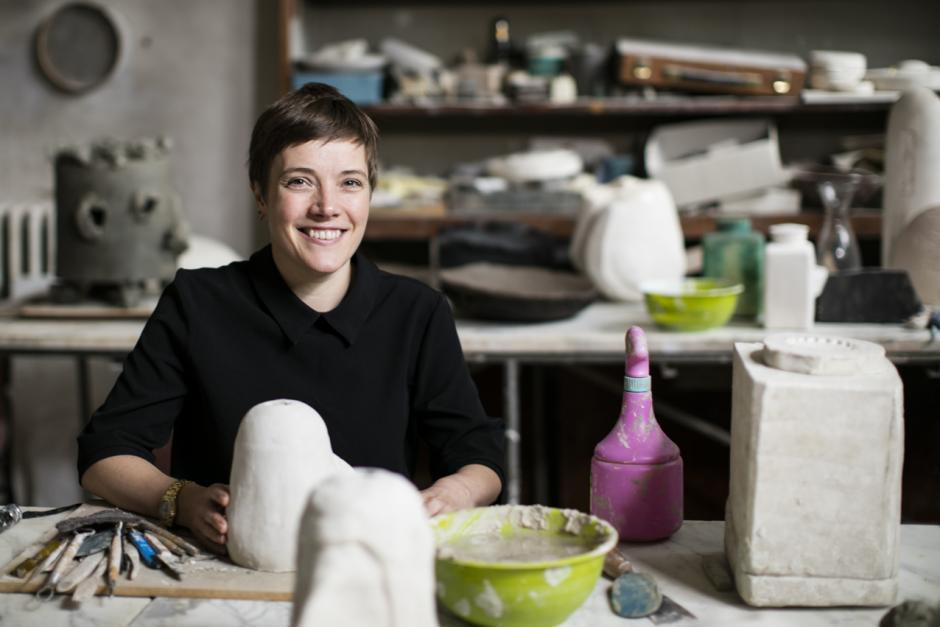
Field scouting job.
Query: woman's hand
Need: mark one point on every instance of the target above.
(202, 511)
(470, 486)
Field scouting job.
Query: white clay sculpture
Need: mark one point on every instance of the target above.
(282, 452)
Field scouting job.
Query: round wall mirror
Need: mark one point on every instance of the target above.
(78, 46)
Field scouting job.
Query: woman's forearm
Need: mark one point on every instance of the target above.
(128, 482)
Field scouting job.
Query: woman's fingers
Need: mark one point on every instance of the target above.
(219, 494)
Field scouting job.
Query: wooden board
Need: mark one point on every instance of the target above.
(206, 576)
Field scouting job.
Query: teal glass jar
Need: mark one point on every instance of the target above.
(735, 252)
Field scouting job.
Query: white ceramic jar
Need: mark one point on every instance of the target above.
(814, 505)
(792, 280)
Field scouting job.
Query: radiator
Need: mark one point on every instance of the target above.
(27, 249)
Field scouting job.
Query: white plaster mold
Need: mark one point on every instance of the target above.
(813, 514)
(282, 452)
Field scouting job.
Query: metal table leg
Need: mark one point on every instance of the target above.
(84, 394)
(511, 410)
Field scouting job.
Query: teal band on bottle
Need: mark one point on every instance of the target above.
(636, 384)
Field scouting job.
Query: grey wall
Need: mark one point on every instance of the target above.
(196, 71)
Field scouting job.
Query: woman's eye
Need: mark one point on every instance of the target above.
(296, 182)
(352, 183)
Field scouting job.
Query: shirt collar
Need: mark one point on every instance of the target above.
(295, 318)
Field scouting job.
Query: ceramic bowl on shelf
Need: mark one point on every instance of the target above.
(518, 565)
(691, 304)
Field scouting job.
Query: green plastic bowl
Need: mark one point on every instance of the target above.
(495, 565)
(693, 304)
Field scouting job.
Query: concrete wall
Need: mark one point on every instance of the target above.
(196, 71)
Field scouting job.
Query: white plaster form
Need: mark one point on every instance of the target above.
(813, 514)
(366, 554)
(282, 452)
(912, 157)
(635, 237)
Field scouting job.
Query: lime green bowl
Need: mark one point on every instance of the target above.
(518, 565)
(693, 304)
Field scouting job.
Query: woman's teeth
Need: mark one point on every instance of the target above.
(324, 234)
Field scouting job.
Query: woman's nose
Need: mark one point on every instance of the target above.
(323, 204)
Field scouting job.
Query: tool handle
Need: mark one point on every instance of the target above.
(147, 555)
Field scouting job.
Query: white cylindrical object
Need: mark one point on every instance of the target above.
(789, 266)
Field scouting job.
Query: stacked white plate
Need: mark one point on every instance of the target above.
(837, 71)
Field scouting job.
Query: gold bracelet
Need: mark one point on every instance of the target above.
(168, 502)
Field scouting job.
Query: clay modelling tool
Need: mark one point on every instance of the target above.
(114, 558)
(11, 514)
(148, 554)
(29, 565)
(65, 561)
(87, 588)
(95, 543)
(130, 520)
(133, 557)
(80, 572)
(28, 552)
(636, 471)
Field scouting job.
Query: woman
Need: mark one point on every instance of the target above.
(307, 318)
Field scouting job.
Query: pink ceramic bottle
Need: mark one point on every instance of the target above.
(636, 472)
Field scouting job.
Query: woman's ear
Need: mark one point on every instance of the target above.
(259, 199)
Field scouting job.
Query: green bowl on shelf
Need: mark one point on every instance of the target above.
(692, 304)
(518, 565)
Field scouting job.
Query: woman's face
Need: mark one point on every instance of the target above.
(317, 206)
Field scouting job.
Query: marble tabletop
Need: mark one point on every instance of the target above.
(676, 564)
(596, 332)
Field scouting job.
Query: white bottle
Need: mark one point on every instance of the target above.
(792, 280)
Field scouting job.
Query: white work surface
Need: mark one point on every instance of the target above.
(596, 332)
(676, 564)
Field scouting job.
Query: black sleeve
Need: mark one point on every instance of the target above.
(138, 415)
(450, 416)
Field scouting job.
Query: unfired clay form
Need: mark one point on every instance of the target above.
(366, 554)
(813, 514)
(282, 451)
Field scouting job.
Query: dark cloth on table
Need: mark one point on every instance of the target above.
(383, 368)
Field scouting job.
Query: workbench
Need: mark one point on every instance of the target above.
(595, 335)
(676, 564)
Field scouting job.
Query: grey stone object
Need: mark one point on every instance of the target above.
(119, 222)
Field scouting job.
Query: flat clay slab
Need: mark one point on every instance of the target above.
(206, 576)
(523, 293)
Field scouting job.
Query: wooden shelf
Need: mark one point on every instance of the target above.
(667, 106)
(386, 225)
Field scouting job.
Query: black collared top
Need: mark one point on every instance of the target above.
(382, 369)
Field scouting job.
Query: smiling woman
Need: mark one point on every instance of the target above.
(307, 318)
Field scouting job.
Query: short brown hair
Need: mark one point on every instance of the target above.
(314, 112)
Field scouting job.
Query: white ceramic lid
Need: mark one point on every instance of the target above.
(811, 354)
